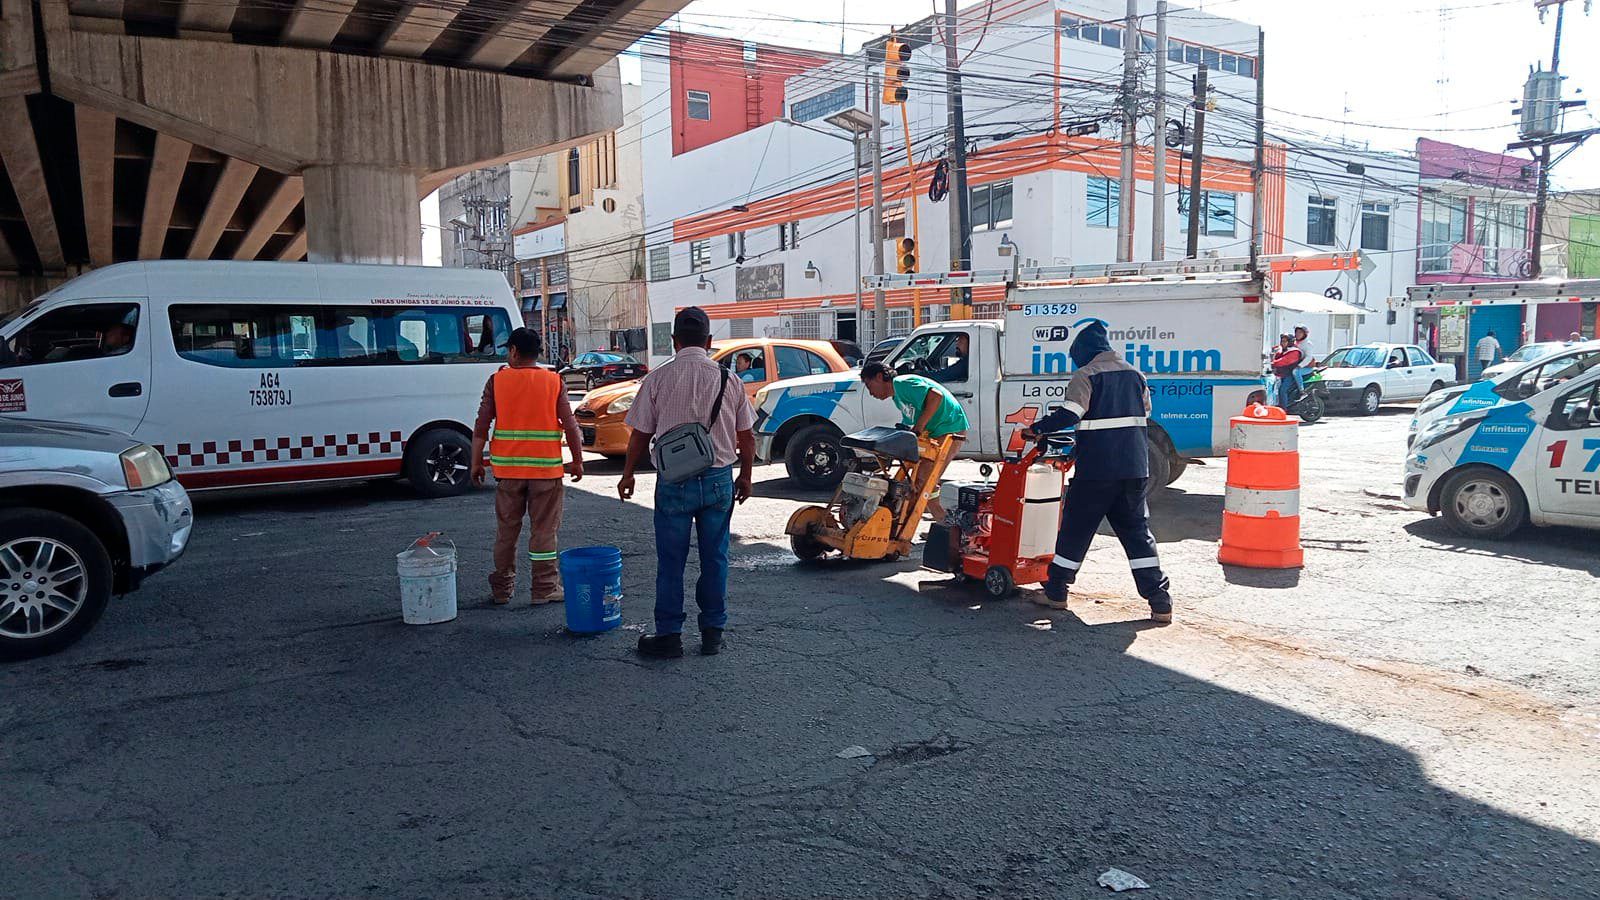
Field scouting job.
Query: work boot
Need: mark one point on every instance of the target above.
(1055, 589)
(542, 599)
(710, 641)
(661, 646)
(1161, 611)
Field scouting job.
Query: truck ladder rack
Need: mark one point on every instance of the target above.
(1586, 290)
(1107, 273)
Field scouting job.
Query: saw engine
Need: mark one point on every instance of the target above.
(861, 494)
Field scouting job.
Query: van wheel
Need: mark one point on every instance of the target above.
(1161, 445)
(816, 458)
(438, 463)
(55, 579)
(1371, 399)
(1483, 503)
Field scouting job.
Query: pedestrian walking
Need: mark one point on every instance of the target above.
(692, 389)
(1109, 402)
(1488, 350)
(528, 407)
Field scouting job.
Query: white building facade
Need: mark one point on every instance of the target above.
(753, 219)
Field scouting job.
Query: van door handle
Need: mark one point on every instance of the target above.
(965, 395)
(126, 389)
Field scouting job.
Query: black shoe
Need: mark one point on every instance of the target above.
(710, 641)
(1055, 587)
(661, 646)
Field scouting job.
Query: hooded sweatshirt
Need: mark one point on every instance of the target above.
(1109, 403)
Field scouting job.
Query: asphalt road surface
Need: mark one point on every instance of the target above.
(1410, 716)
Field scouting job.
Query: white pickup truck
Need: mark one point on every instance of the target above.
(1197, 336)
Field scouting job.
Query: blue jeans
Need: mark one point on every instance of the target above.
(706, 503)
(1288, 389)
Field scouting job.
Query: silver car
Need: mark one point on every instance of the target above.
(85, 512)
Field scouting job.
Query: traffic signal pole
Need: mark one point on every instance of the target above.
(960, 208)
(880, 309)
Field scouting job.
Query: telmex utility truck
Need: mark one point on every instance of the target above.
(1195, 327)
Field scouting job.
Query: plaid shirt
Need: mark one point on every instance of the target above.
(682, 390)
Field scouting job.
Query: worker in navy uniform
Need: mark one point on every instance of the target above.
(1109, 402)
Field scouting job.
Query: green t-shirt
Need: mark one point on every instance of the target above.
(911, 391)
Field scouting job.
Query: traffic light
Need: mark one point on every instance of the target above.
(896, 71)
(906, 255)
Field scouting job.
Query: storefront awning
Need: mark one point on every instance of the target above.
(1307, 302)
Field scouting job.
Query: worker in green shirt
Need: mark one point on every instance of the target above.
(927, 408)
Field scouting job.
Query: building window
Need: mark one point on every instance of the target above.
(736, 246)
(1219, 212)
(700, 105)
(794, 235)
(1374, 226)
(899, 323)
(826, 103)
(1103, 202)
(894, 222)
(741, 328)
(699, 255)
(1501, 231)
(660, 263)
(991, 206)
(1444, 224)
(574, 172)
(804, 326)
(1322, 220)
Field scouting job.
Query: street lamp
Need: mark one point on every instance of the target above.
(858, 124)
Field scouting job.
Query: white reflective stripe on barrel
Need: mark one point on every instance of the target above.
(1119, 422)
(1248, 502)
(1265, 437)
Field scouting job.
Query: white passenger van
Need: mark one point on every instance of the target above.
(254, 373)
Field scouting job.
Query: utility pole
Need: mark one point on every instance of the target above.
(1158, 141)
(1542, 196)
(960, 202)
(1126, 190)
(1196, 196)
(880, 306)
(1258, 171)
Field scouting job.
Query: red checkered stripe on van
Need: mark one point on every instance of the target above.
(200, 454)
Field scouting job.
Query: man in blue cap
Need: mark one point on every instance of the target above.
(1109, 402)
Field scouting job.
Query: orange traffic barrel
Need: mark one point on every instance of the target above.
(1261, 510)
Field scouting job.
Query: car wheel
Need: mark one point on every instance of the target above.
(816, 458)
(55, 579)
(1371, 399)
(439, 463)
(589, 382)
(1483, 503)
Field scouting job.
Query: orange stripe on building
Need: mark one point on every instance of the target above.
(1022, 156)
(894, 298)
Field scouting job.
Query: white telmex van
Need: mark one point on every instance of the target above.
(253, 373)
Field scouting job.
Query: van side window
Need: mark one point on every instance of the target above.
(90, 331)
(255, 336)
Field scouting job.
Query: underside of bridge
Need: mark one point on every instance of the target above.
(278, 129)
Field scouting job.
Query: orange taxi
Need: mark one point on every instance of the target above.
(757, 361)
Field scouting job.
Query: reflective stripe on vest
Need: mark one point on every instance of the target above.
(1107, 424)
(527, 431)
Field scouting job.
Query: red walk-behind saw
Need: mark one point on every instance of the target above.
(1004, 533)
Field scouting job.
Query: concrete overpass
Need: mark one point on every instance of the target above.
(278, 129)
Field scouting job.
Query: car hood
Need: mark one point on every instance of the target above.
(601, 397)
(15, 432)
(1347, 374)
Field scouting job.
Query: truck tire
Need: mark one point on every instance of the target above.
(438, 463)
(1482, 502)
(1160, 471)
(55, 579)
(815, 458)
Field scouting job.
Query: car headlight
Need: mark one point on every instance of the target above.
(761, 397)
(1434, 401)
(1442, 429)
(144, 468)
(621, 404)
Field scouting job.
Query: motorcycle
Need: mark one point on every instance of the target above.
(1311, 404)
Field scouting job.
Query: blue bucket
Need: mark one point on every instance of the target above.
(592, 579)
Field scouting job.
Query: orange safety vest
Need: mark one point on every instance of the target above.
(527, 432)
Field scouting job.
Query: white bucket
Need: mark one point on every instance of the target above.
(427, 581)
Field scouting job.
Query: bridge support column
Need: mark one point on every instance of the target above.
(362, 214)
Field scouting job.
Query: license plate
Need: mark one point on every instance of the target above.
(588, 436)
